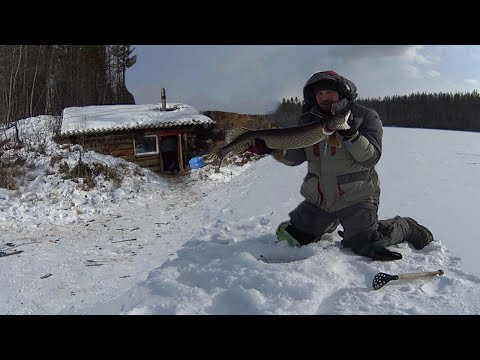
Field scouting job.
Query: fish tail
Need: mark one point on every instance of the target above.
(231, 147)
(216, 155)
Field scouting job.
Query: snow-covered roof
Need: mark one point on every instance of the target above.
(106, 118)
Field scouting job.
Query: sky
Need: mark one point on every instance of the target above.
(204, 243)
(253, 79)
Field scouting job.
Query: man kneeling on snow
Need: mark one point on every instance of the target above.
(342, 186)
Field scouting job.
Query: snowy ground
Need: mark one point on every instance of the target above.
(192, 244)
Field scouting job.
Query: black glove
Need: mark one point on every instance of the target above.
(347, 134)
(385, 255)
(377, 251)
(259, 148)
(341, 107)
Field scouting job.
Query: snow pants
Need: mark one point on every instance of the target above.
(359, 221)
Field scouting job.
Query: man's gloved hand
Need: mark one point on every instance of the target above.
(341, 107)
(259, 147)
(347, 134)
(385, 255)
(377, 251)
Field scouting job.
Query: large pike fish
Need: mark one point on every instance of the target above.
(294, 137)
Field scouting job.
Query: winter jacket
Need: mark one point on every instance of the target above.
(340, 177)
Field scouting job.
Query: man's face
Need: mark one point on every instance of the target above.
(325, 99)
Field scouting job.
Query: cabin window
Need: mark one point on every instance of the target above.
(146, 145)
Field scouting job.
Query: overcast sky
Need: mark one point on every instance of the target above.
(253, 78)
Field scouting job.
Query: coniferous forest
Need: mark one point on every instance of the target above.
(448, 111)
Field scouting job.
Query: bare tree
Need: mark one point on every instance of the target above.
(44, 79)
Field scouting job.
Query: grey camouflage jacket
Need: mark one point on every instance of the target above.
(340, 177)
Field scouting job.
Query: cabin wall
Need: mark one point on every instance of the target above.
(122, 145)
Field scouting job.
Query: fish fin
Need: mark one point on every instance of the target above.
(277, 154)
(233, 133)
(333, 141)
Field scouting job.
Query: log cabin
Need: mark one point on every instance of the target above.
(160, 138)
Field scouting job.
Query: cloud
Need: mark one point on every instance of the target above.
(412, 71)
(357, 52)
(250, 57)
(473, 82)
(406, 53)
(411, 55)
(230, 77)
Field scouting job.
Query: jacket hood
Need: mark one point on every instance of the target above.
(347, 89)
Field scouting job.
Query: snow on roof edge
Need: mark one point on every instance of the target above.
(97, 119)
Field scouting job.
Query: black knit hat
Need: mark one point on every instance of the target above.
(326, 85)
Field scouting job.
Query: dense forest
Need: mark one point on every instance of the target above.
(459, 111)
(44, 79)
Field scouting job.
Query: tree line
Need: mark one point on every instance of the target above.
(44, 79)
(448, 111)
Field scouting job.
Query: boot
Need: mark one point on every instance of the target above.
(284, 235)
(419, 235)
(295, 237)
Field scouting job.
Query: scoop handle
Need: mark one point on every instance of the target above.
(420, 274)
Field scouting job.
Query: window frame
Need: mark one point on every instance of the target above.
(157, 149)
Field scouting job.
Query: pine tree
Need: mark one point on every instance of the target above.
(123, 60)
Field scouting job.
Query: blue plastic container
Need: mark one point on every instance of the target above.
(196, 162)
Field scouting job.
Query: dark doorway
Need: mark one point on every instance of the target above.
(169, 150)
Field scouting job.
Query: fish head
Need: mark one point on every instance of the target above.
(337, 122)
